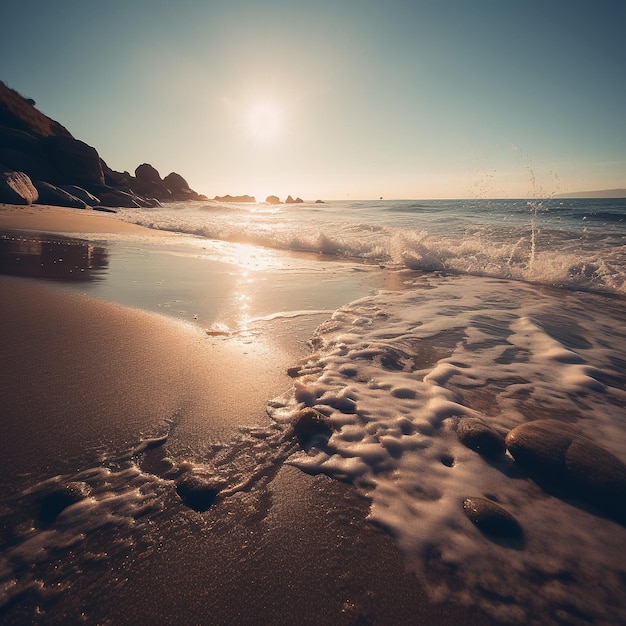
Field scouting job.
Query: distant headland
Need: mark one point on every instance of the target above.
(268, 200)
(41, 162)
(602, 193)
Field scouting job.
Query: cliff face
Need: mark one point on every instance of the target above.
(45, 152)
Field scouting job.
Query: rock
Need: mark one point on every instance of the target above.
(289, 200)
(22, 152)
(74, 162)
(479, 437)
(298, 201)
(229, 198)
(179, 188)
(110, 197)
(49, 194)
(491, 518)
(43, 150)
(272, 200)
(197, 492)
(311, 427)
(557, 455)
(53, 503)
(81, 194)
(319, 202)
(146, 173)
(17, 188)
(176, 183)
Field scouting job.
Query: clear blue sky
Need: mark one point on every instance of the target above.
(330, 99)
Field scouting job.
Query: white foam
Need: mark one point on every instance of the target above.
(390, 369)
(513, 250)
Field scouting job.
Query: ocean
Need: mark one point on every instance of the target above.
(507, 311)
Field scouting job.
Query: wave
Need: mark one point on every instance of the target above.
(584, 261)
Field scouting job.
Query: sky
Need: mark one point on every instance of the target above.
(335, 99)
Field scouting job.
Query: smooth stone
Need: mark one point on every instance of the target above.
(479, 437)
(491, 518)
(53, 503)
(555, 454)
(197, 492)
(311, 426)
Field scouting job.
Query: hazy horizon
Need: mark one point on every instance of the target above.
(349, 100)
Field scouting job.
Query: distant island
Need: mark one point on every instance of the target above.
(603, 193)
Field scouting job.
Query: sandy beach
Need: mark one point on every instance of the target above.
(85, 378)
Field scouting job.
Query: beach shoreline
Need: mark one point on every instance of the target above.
(87, 378)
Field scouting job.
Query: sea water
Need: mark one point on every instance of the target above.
(568, 243)
(518, 315)
(506, 310)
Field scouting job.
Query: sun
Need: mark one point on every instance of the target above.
(264, 121)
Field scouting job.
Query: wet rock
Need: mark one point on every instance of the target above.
(491, 518)
(57, 500)
(16, 188)
(557, 455)
(479, 437)
(310, 427)
(197, 492)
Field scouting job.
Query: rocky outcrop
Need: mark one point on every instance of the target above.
(180, 189)
(290, 200)
(82, 194)
(37, 147)
(229, 198)
(16, 188)
(272, 200)
(74, 162)
(49, 194)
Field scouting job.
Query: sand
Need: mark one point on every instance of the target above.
(84, 378)
(45, 218)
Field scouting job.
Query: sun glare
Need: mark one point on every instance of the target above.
(264, 121)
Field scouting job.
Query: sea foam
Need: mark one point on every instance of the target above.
(510, 241)
(391, 370)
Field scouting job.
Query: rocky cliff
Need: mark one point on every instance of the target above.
(41, 162)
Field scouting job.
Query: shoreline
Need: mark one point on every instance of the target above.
(89, 378)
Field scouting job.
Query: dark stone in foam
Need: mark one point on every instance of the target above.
(197, 492)
(479, 437)
(310, 426)
(54, 502)
(556, 455)
(491, 518)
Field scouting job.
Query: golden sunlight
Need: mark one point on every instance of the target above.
(264, 121)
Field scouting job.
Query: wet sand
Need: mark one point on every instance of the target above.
(84, 379)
